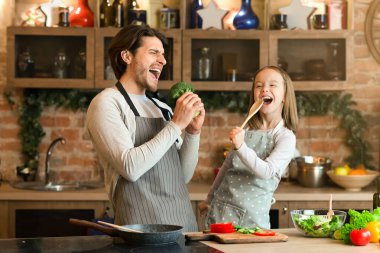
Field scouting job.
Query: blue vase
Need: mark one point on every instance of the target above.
(195, 19)
(246, 18)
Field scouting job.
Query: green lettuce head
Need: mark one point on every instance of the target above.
(178, 90)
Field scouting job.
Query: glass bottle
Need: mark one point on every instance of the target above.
(132, 4)
(333, 70)
(82, 15)
(376, 195)
(195, 19)
(61, 64)
(79, 65)
(204, 65)
(118, 12)
(246, 18)
(106, 17)
(134, 14)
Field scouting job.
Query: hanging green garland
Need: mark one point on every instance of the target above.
(351, 120)
(309, 104)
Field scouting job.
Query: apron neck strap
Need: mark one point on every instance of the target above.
(120, 87)
(165, 112)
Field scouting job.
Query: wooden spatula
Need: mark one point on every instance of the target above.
(121, 228)
(253, 110)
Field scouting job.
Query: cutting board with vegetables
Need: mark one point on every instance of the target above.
(234, 237)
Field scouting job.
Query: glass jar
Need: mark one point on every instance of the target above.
(25, 63)
(63, 16)
(203, 65)
(334, 71)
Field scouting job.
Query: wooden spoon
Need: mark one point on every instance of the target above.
(330, 213)
(253, 110)
(119, 227)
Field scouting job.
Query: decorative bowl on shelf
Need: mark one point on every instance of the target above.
(353, 183)
(316, 223)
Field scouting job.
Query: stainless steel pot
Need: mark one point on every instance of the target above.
(311, 170)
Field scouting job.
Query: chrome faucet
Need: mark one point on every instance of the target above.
(48, 156)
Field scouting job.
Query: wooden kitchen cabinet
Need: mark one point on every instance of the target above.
(315, 60)
(4, 228)
(12, 211)
(234, 57)
(279, 214)
(171, 72)
(50, 57)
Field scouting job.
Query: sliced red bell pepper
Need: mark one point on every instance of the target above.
(226, 227)
(264, 233)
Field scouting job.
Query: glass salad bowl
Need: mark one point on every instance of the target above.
(316, 223)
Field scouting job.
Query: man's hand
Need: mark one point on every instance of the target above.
(186, 106)
(237, 137)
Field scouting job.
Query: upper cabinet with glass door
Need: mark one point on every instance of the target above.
(216, 55)
(312, 40)
(47, 57)
(319, 56)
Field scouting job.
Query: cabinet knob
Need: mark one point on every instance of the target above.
(284, 210)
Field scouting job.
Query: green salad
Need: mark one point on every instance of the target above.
(316, 225)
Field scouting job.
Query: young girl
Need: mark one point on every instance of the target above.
(243, 190)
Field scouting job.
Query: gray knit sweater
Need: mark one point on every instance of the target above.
(110, 124)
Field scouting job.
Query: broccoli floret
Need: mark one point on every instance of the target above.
(177, 90)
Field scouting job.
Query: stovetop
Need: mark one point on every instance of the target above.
(96, 244)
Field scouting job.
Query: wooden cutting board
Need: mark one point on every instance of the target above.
(234, 237)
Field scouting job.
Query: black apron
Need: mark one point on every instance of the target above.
(160, 195)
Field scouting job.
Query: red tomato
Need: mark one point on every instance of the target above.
(226, 227)
(264, 233)
(360, 237)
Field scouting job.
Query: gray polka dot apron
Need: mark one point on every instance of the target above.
(160, 196)
(242, 198)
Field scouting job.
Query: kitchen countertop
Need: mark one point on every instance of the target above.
(296, 243)
(96, 244)
(287, 191)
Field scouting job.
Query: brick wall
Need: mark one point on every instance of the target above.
(77, 161)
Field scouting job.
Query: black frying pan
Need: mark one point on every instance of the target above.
(153, 234)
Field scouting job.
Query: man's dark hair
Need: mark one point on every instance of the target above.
(129, 38)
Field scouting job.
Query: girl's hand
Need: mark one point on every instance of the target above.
(203, 207)
(237, 137)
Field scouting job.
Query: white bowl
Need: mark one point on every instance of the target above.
(353, 183)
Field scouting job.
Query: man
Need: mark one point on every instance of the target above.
(138, 139)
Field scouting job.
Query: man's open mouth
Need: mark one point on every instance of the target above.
(155, 72)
